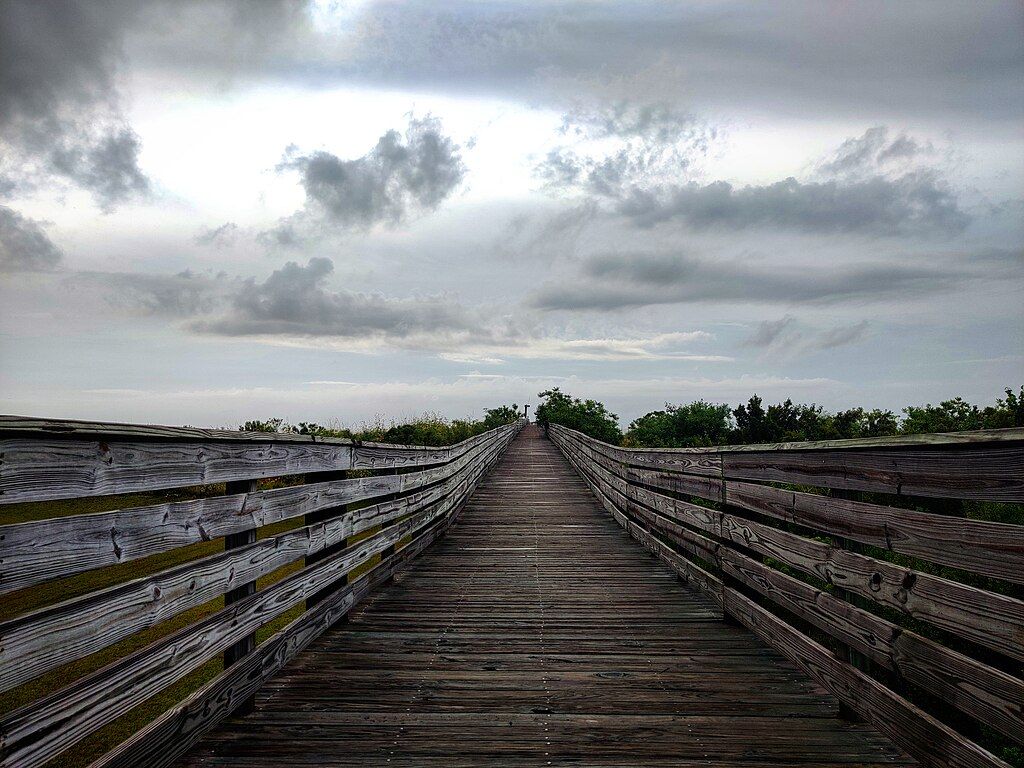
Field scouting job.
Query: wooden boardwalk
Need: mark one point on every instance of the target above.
(538, 633)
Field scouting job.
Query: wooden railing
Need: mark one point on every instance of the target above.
(358, 503)
(906, 610)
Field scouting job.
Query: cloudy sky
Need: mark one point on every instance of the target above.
(330, 210)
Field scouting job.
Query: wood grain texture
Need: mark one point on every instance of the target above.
(40, 468)
(42, 730)
(975, 471)
(41, 550)
(931, 742)
(986, 694)
(161, 743)
(987, 548)
(44, 639)
(965, 438)
(986, 618)
(536, 633)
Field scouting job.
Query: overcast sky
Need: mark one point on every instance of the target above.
(215, 211)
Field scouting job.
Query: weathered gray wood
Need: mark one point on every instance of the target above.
(988, 695)
(239, 541)
(985, 465)
(931, 742)
(28, 426)
(162, 742)
(40, 468)
(54, 635)
(47, 549)
(676, 460)
(42, 730)
(996, 621)
(988, 548)
(989, 619)
(665, 523)
(965, 438)
(695, 515)
(691, 573)
(976, 471)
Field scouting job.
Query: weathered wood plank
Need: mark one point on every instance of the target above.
(989, 619)
(988, 548)
(40, 469)
(986, 465)
(536, 633)
(965, 438)
(988, 695)
(930, 741)
(44, 639)
(978, 471)
(41, 550)
(162, 742)
(45, 728)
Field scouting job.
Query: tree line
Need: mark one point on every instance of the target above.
(702, 423)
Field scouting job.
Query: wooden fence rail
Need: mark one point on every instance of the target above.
(395, 503)
(838, 584)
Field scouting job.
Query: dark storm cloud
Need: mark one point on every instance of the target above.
(24, 246)
(59, 111)
(917, 202)
(938, 58)
(107, 166)
(872, 184)
(61, 115)
(295, 301)
(399, 177)
(622, 280)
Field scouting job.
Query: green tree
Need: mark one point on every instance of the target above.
(1007, 412)
(948, 416)
(503, 414)
(266, 425)
(681, 426)
(587, 416)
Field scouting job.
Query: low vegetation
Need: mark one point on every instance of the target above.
(703, 423)
(430, 429)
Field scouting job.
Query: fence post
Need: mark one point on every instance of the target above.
(247, 644)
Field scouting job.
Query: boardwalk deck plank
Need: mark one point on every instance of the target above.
(538, 633)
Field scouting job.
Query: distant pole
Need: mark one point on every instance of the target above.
(526, 412)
